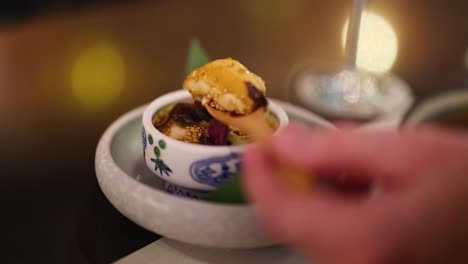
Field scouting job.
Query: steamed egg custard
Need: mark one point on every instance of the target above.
(225, 85)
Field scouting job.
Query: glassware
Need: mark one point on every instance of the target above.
(346, 92)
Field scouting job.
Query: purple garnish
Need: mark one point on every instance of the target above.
(256, 95)
(218, 132)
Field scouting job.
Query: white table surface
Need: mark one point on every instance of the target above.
(169, 251)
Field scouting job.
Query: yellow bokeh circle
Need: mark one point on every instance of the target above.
(377, 45)
(98, 76)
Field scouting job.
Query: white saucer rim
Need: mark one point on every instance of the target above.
(116, 185)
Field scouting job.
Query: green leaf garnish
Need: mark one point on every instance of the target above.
(229, 192)
(197, 56)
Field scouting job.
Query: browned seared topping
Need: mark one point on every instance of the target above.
(222, 85)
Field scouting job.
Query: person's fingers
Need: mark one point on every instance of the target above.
(376, 154)
(261, 186)
(259, 177)
(323, 225)
(286, 214)
(330, 225)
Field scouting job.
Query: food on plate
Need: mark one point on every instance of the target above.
(225, 85)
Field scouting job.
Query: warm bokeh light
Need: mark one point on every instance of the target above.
(271, 12)
(378, 43)
(466, 60)
(98, 76)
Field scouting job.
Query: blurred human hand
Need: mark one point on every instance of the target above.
(416, 211)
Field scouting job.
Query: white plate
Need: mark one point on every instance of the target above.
(139, 195)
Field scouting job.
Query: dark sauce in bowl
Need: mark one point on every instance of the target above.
(191, 123)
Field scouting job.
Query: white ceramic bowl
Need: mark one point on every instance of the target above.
(142, 197)
(193, 166)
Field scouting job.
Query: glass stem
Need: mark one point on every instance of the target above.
(353, 34)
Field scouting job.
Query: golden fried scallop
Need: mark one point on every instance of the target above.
(226, 85)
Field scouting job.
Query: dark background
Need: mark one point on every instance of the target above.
(52, 208)
(54, 211)
(16, 11)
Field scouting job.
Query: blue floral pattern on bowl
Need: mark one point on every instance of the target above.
(215, 171)
(159, 164)
(144, 140)
(181, 192)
